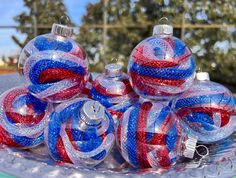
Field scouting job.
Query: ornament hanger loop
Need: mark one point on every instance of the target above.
(164, 21)
(205, 153)
(196, 164)
(114, 59)
(163, 27)
(199, 69)
(64, 20)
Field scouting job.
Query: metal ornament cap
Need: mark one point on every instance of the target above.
(94, 112)
(202, 76)
(113, 70)
(163, 29)
(62, 30)
(190, 147)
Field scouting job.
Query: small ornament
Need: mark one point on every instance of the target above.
(81, 132)
(149, 135)
(55, 76)
(207, 110)
(113, 90)
(22, 118)
(161, 66)
(58, 40)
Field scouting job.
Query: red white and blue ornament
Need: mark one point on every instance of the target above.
(22, 118)
(58, 40)
(150, 135)
(55, 76)
(81, 132)
(161, 66)
(55, 66)
(113, 90)
(207, 110)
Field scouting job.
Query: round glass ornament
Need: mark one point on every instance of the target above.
(150, 135)
(113, 90)
(80, 132)
(22, 118)
(161, 66)
(207, 110)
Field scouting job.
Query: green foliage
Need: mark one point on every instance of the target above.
(138, 17)
(46, 12)
(4, 60)
(215, 48)
(132, 21)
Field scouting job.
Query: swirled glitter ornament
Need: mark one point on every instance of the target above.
(161, 66)
(22, 118)
(207, 110)
(149, 135)
(58, 40)
(113, 90)
(81, 132)
(55, 76)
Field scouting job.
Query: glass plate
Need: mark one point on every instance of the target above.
(36, 162)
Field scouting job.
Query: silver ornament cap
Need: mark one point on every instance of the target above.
(62, 30)
(202, 76)
(113, 70)
(163, 30)
(163, 27)
(190, 147)
(93, 112)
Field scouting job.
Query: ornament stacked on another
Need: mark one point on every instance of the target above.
(161, 66)
(55, 66)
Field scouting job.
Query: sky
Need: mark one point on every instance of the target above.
(10, 9)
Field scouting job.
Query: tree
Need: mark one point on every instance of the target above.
(126, 14)
(40, 12)
(4, 60)
(214, 49)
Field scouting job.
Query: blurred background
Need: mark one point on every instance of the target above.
(110, 29)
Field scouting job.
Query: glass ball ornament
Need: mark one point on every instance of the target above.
(149, 135)
(55, 76)
(58, 40)
(54, 65)
(161, 66)
(80, 132)
(112, 89)
(207, 110)
(22, 118)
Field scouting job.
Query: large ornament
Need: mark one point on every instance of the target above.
(161, 66)
(58, 40)
(55, 66)
(55, 76)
